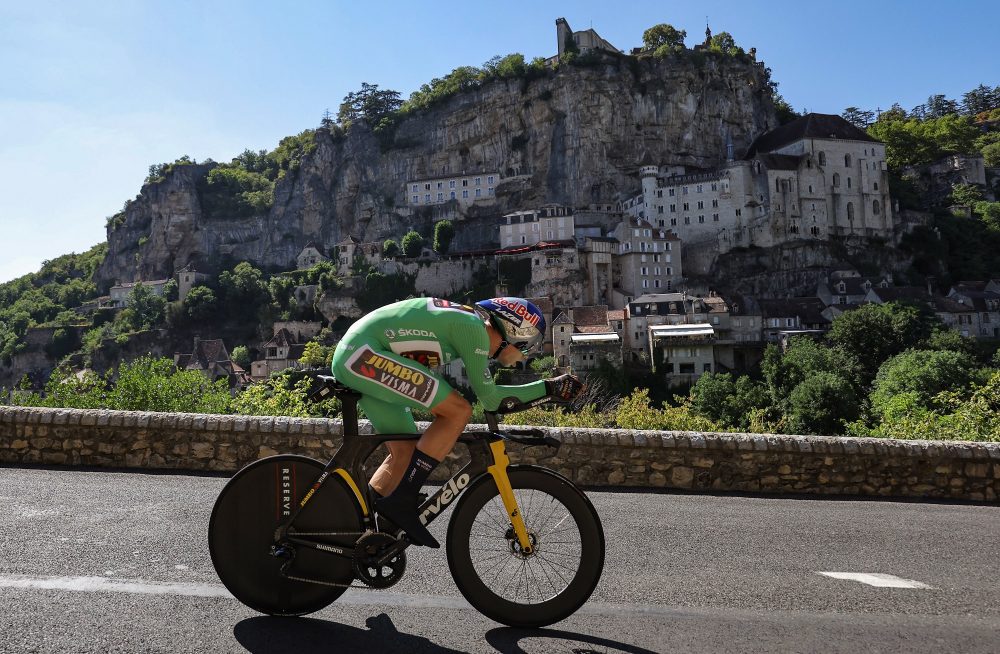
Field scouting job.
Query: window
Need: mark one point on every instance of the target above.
(739, 212)
(685, 190)
(673, 208)
(847, 161)
(686, 368)
(440, 184)
(440, 197)
(699, 188)
(715, 204)
(848, 182)
(836, 180)
(850, 211)
(489, 180)
(644, 270)
(415, 186)
(656, 284)
(479, 181)
(810, 188)
(453, 195)
(876, 186)
(701, 219)
(701, 204)
(707, 367)
(687, 220)
(272, 352)
(673, 222)
(416, 199)
(491, 190)
(715, 187)
(427, 197)
(687, 206)
(670, 192)
(479, 192)
(876, 208)
(465, 182)
(715, 217)
(645, 283)
(451, 184)
(465, 193)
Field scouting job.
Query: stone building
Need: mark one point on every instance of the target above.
(792, 316)
(465, 189)
(309, 257)
(648, 261)
(119, 292)
(211, 358)
(985, 302)
(548, 223)
(280, 353)
(583, 336)
(585, 40)
(817, 177)
(188, 278)
(666, 330)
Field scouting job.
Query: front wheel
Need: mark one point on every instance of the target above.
(507, 585)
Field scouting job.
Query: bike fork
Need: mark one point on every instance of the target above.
(499, 472)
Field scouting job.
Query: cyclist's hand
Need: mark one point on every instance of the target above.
(564, 388)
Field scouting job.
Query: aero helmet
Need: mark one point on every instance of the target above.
(519, 322)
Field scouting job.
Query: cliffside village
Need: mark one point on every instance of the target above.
(610, 280)
(622, 282)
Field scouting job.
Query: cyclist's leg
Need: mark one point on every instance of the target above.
(390, 418)
(394, 379)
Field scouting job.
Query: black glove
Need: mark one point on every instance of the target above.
(563, 388)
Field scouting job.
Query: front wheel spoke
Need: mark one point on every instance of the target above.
(556, 565)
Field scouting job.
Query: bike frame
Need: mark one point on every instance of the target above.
(489, 456)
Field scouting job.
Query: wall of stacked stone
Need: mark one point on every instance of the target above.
(594, 457)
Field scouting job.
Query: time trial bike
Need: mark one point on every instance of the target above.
(289, 535)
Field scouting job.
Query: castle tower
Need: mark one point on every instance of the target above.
(562, 31)
(648, 173)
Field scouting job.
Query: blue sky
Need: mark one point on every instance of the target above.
(92, 93)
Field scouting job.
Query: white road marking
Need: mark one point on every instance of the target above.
(353, 597)
(877, 579)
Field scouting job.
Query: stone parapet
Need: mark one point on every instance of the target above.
(763, 463)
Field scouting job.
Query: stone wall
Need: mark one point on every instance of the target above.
(699, 461)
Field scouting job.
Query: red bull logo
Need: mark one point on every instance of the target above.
(517, 309)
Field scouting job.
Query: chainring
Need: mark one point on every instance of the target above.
(366, 552)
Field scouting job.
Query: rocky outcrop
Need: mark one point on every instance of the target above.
(575, 136)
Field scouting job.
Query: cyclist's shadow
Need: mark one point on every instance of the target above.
(269, 635)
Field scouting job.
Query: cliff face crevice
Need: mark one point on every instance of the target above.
(574, 137)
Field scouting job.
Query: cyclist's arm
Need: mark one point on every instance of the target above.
(472, 344)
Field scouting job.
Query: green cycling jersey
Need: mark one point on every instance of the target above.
(389, 355)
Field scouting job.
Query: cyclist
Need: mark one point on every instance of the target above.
(387, 356)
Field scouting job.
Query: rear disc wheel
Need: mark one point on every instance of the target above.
(241, 534)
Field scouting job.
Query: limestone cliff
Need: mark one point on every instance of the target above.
(576, 135)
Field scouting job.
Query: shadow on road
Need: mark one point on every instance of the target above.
(507, 640)
(269, 635)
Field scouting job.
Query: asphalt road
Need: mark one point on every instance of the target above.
(118, 562)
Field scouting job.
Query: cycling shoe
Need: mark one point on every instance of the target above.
(402, 511)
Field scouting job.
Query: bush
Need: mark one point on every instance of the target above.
(922, 374)
(413, 243)
(821, 404)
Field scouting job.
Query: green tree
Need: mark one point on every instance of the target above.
(860, 118)
(966, 195)
(821, 404)
(990, 214)
(371, 103)
(444, 232)
(725, 43)
(980, 99)
(926, 373)
(241, 356)
(144, 309)
(874, 332)
(243, 289)
(413, 243)
(663, 39)
(200, 305)
(803, 358)
(728, 400)
(784, 110)
(390, 248)
(170, 291)
(316, 355)
(991, 154)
